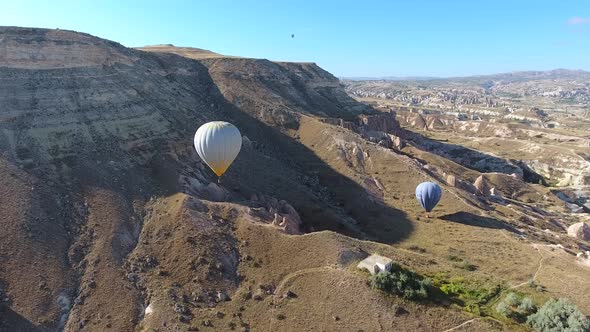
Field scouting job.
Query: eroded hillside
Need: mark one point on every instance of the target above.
(110, 221)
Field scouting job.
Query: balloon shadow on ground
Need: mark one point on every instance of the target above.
(470, 219)
(14, 322)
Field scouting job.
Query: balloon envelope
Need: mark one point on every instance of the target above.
(218, 144)
(428, 194)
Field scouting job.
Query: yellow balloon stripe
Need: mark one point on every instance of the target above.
(219, 167)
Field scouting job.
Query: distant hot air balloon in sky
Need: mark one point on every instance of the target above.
(428, 195)
(218, 144)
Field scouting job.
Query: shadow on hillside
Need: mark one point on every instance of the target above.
(473, 159)
(470, 219)
(14, 322)
(278, 170)
(277, 165)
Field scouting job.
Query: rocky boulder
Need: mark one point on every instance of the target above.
(198, 188)
(416, 121)
(481, 186)
(384, 122)
(580, 231)
(495, 193)
(434, 123)
(397, 142)
(451, 180)
(279, 213)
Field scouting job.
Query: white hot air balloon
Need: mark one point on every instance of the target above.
(218, 144)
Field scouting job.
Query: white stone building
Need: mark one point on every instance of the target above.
(375, 264)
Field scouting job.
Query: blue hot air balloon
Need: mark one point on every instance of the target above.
(428, 194)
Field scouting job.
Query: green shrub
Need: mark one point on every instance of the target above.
(417, 249)
(401, 282)
(466, 265)
(515, 307)
(380, 280)
(454, 258)
(503, 309)
(422, 293)
(467, 291)
(527, 306)
(474, 309)
(532, 283)
(512, 300)
(559, 315)
(453, 287)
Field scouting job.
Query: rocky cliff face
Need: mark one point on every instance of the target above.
(81, 120)
(277, 92)
(90, 131)
(31, 48)
(117, 103)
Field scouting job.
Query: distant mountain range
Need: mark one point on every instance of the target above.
(391, 78)
(547, 74)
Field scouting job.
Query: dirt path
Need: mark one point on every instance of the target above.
(301, 272)
(462, 324)
(290, 277)
(471, 321)
(298, 273)
(543, 258)
(536, 272)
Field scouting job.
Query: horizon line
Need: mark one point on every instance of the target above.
(428, 77)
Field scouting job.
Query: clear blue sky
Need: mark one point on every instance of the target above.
(348, 38)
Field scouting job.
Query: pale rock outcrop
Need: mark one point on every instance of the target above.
(351, 153)
(397, 142)
(210, 191)
(451, 180)
(418, 122)
(149, 310)
(580, 231)
(277, 213)
(434, 123)
(481, 186)
(496, 196)
(384, 122)
(574, 208)
(495, 192)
